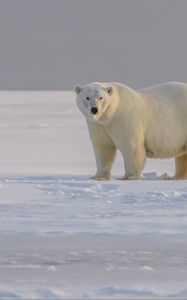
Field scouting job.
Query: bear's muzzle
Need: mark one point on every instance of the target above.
(94, 110)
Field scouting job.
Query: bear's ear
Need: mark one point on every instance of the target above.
(109, 90)
(78, 89)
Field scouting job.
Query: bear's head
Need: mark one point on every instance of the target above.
(94, 101)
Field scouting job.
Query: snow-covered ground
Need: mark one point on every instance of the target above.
(64, 236)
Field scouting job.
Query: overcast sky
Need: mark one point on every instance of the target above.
(55, 44)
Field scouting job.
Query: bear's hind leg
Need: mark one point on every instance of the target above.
(181, 167)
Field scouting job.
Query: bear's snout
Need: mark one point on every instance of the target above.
(94, 110)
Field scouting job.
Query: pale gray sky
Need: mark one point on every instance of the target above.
(55, 44)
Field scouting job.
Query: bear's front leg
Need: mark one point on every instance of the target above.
(104, 150)
(134, 161)
(104, 155)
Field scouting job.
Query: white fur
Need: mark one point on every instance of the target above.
(151, 122)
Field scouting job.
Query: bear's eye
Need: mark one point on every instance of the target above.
(87, 98)
(100, 98)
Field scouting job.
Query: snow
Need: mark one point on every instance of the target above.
(65, 236)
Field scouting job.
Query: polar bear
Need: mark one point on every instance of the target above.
(150, 122)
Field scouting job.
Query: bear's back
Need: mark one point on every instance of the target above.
(176, 91)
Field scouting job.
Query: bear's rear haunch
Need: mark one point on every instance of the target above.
(151, 122)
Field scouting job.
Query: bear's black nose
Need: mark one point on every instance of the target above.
(94, 110)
